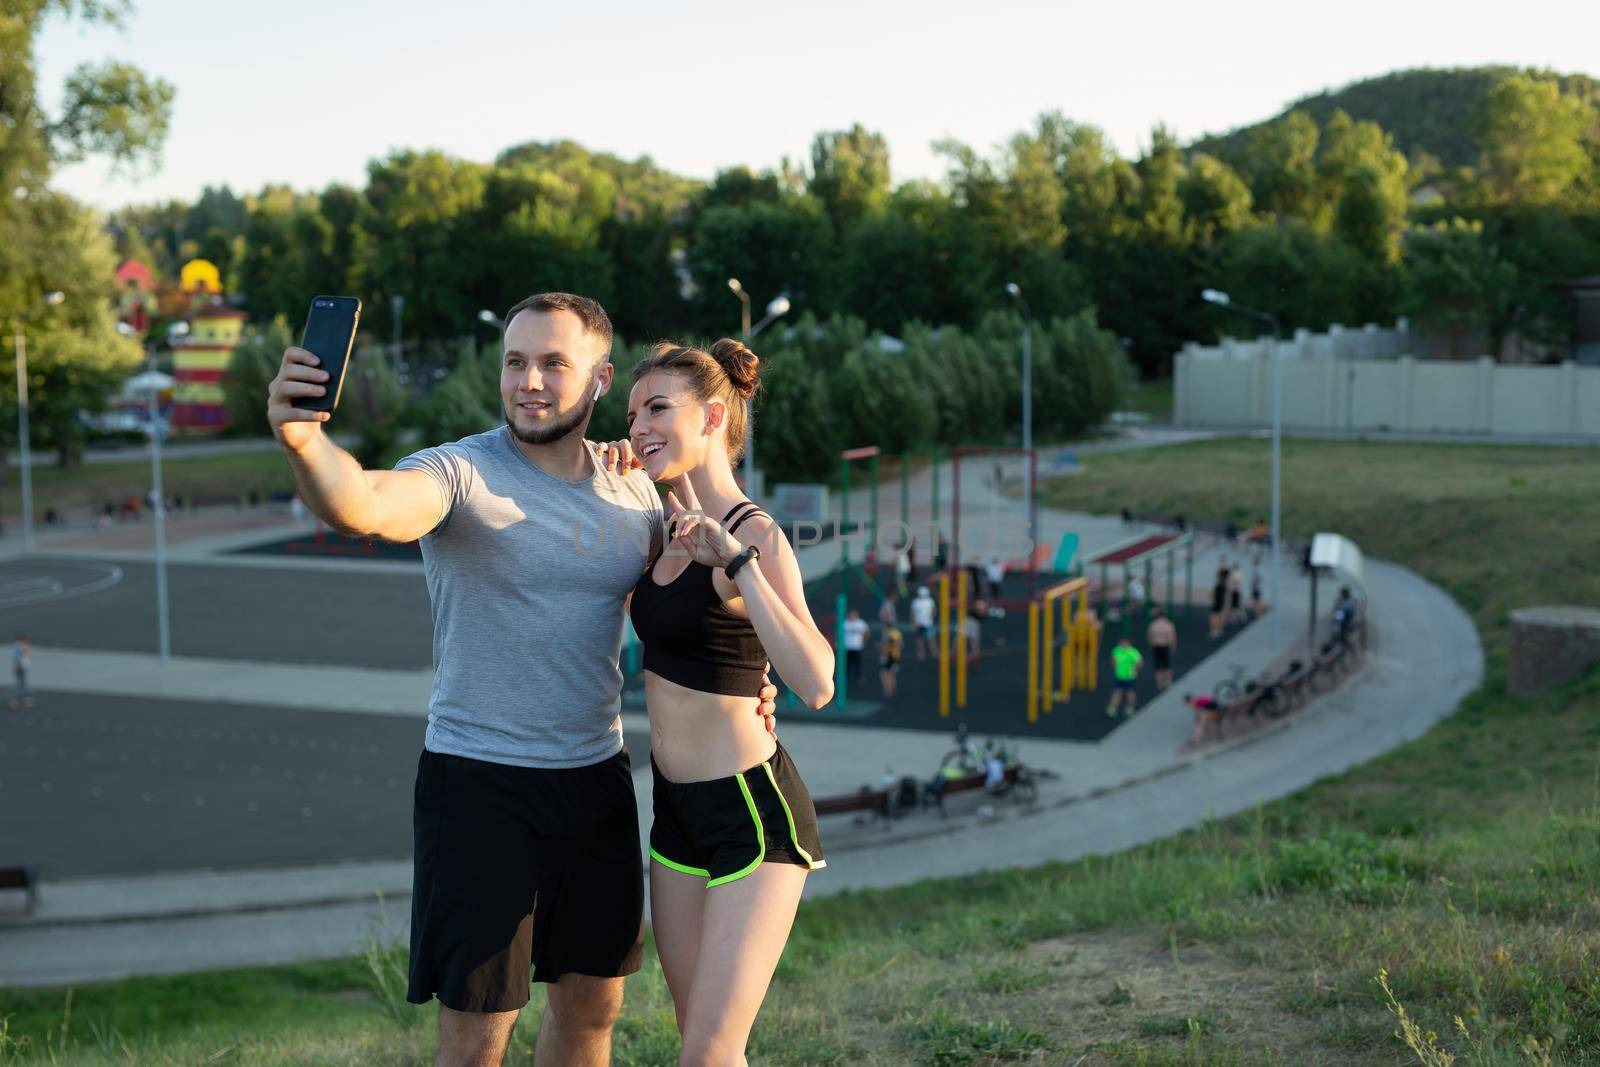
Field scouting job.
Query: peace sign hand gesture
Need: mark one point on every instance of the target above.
(695, 532)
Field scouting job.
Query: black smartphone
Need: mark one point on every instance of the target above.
(329, 335)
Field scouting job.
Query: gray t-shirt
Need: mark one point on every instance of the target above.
(528, 574)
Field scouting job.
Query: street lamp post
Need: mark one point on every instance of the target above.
(1213, 296)
(776, 308)
(50, 300)
(1014, 291)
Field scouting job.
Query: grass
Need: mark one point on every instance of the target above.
(83, 489)
(1153, 398)
(1453, 880)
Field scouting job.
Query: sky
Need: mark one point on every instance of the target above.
(306, 93)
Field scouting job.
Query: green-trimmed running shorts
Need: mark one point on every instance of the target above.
(724, 828)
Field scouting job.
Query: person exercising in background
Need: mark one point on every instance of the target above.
(1125, 665)
(1162, 637)
(890, 649)
(922, 608)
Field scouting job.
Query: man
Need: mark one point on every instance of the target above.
(855, 642)
(526, 829)
(1162, 637)
(1344, 615)
(889, 609)
(1125, 664)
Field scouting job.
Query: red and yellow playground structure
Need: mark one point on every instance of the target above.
(200, 359)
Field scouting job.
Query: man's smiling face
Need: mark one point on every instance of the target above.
(548, 373)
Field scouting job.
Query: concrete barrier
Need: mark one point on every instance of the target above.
(1551, 645)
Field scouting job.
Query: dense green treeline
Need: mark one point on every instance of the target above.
(1317, 216)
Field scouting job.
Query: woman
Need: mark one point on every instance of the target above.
(735, 832)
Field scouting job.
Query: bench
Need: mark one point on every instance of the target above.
(23, 878)
(871, 800)
(878, 801)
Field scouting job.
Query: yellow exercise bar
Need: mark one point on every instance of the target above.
(944, 646)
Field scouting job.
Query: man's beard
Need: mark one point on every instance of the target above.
(555, 428)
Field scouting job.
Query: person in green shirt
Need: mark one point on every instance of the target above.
(1125, 665)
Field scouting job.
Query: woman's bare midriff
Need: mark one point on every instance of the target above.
(695, 736)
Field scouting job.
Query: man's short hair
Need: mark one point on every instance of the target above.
(589, 312)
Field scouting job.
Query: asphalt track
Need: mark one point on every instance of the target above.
(115, 785)
(268, 614)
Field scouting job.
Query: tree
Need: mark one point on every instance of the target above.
(1280, 161)
(1303, 277)
(112, 110)
(771, 247)
(75, 356)
(426, 240)
(1534, 141)
(1368, 183)
(849, 173)
(1457, 285)
(1216, 201)
(251, 369)
(1161, 176)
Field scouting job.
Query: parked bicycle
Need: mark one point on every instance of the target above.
(1268, 699)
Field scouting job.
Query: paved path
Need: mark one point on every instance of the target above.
(1130, 788)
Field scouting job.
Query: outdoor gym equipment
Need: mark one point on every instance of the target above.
(1032, 459)
(1143, 552)
(1079, 643)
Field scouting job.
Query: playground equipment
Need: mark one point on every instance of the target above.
(864, 571)
(960, 641)
(1032, 460)
(1079, 644)
(1143, 552)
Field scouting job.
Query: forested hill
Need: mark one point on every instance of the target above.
(1428, 112)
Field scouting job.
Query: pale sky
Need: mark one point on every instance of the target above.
(306, 93)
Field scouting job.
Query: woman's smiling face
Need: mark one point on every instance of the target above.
(668, 426)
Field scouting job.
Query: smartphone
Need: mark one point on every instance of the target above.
(330, 334)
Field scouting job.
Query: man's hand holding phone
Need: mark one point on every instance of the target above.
(299, 376)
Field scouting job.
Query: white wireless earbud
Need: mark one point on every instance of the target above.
(597, 390)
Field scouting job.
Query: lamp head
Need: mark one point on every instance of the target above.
(779, 306)
(485, 315)
(1013, 290)
(1215, 296)
(52, 299)
(733, 283)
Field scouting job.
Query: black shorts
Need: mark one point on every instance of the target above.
(722, 829)
(1161, 655)
(522, 872)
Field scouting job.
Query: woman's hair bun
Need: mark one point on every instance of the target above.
(740, 364)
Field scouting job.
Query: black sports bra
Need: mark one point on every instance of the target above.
(689, 635)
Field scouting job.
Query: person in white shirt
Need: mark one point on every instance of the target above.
(996, 573)
(922, 618)
(855, 641)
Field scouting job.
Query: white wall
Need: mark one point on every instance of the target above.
(1355, 380)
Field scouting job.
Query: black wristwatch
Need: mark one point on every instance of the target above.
(750, 553)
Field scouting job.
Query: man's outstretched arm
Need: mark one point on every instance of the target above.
(393, 505)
